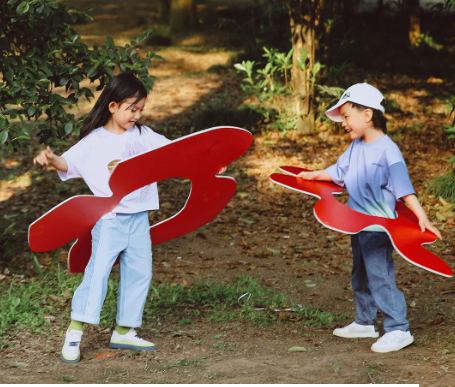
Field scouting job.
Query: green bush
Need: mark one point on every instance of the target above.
(43, 64)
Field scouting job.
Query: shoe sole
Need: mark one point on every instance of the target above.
(132, 347)
(68, 360)
(356, 335)
(401, 346)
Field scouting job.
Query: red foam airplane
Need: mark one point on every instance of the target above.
(197, 157)
(404, 231)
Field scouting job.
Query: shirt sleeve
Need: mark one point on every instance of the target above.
(156, 140)
(71, 156)
(399, 181)
(338, 171)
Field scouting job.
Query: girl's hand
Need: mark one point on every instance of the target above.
(425, 224)
(221, 171)
(45, 157)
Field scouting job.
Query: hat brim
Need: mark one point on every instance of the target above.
(334, 112)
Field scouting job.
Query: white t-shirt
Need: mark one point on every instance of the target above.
(89, 160)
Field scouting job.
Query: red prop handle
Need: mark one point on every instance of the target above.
(197, 157)
(404, 231)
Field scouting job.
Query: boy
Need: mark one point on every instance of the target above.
(375, 175)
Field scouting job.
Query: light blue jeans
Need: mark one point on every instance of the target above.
(126, 236)
(373, 282)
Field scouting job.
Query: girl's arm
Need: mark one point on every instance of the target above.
(315, 175)
(424, 223)
(48, 157)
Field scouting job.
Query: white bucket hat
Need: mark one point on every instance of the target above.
(360, 93)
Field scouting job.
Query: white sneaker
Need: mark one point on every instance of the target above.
(130, 341)
(392, 341)
(70, 351)
(355, 330)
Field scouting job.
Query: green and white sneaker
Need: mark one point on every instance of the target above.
(70, 351)
(130, 341)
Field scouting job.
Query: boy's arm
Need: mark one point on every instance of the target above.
(48, 157)
(424, 223)
(315, 175)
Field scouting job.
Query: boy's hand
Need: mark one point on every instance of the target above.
(221, 171)
(45, 157)
(307, 175)
(425, 224)
(315, 175)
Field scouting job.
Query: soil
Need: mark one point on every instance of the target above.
(232, 245)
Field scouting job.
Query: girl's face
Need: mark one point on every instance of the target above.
(356, 122)
(124, 115)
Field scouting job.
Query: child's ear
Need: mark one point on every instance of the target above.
(113, 106)
(368, 115)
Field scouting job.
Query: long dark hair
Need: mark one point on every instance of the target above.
(379, 120)
(119, 88)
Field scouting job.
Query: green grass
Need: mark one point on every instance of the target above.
(443, 186)
(24, 305)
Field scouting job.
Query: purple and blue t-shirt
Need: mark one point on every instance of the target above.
(375, 176)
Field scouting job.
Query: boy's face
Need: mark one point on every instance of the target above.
(355, 122)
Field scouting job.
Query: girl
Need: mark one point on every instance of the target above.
(375, 175)
(109, 134)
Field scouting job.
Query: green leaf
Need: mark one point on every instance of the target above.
(92, 72)
(297, 349)
(275, 252)
(238, 66)
(9, 75)
(247, 221)
(64, 81)
(22, 8)
(288, 56)
(300, 64)
(3, 137)
(303, 55)
(68, 128)
(23, 137)
(36, 264)
(31, 110)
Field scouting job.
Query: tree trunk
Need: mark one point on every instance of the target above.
(414, 21)
(183, 15)
(304, 17)
(164, 9)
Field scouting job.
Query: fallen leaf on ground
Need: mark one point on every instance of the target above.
(49, 318)
(106, 355)
(297, 349)
(440, 320)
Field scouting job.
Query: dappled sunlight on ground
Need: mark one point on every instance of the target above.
(173, 95)
(179, 61)
(10, 187)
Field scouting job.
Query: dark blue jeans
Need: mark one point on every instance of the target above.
(373, 282)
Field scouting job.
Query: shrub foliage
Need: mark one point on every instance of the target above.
(43, 64)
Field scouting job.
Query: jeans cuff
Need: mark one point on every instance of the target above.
(85, 319)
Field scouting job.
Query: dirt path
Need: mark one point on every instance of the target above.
(238, 242)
